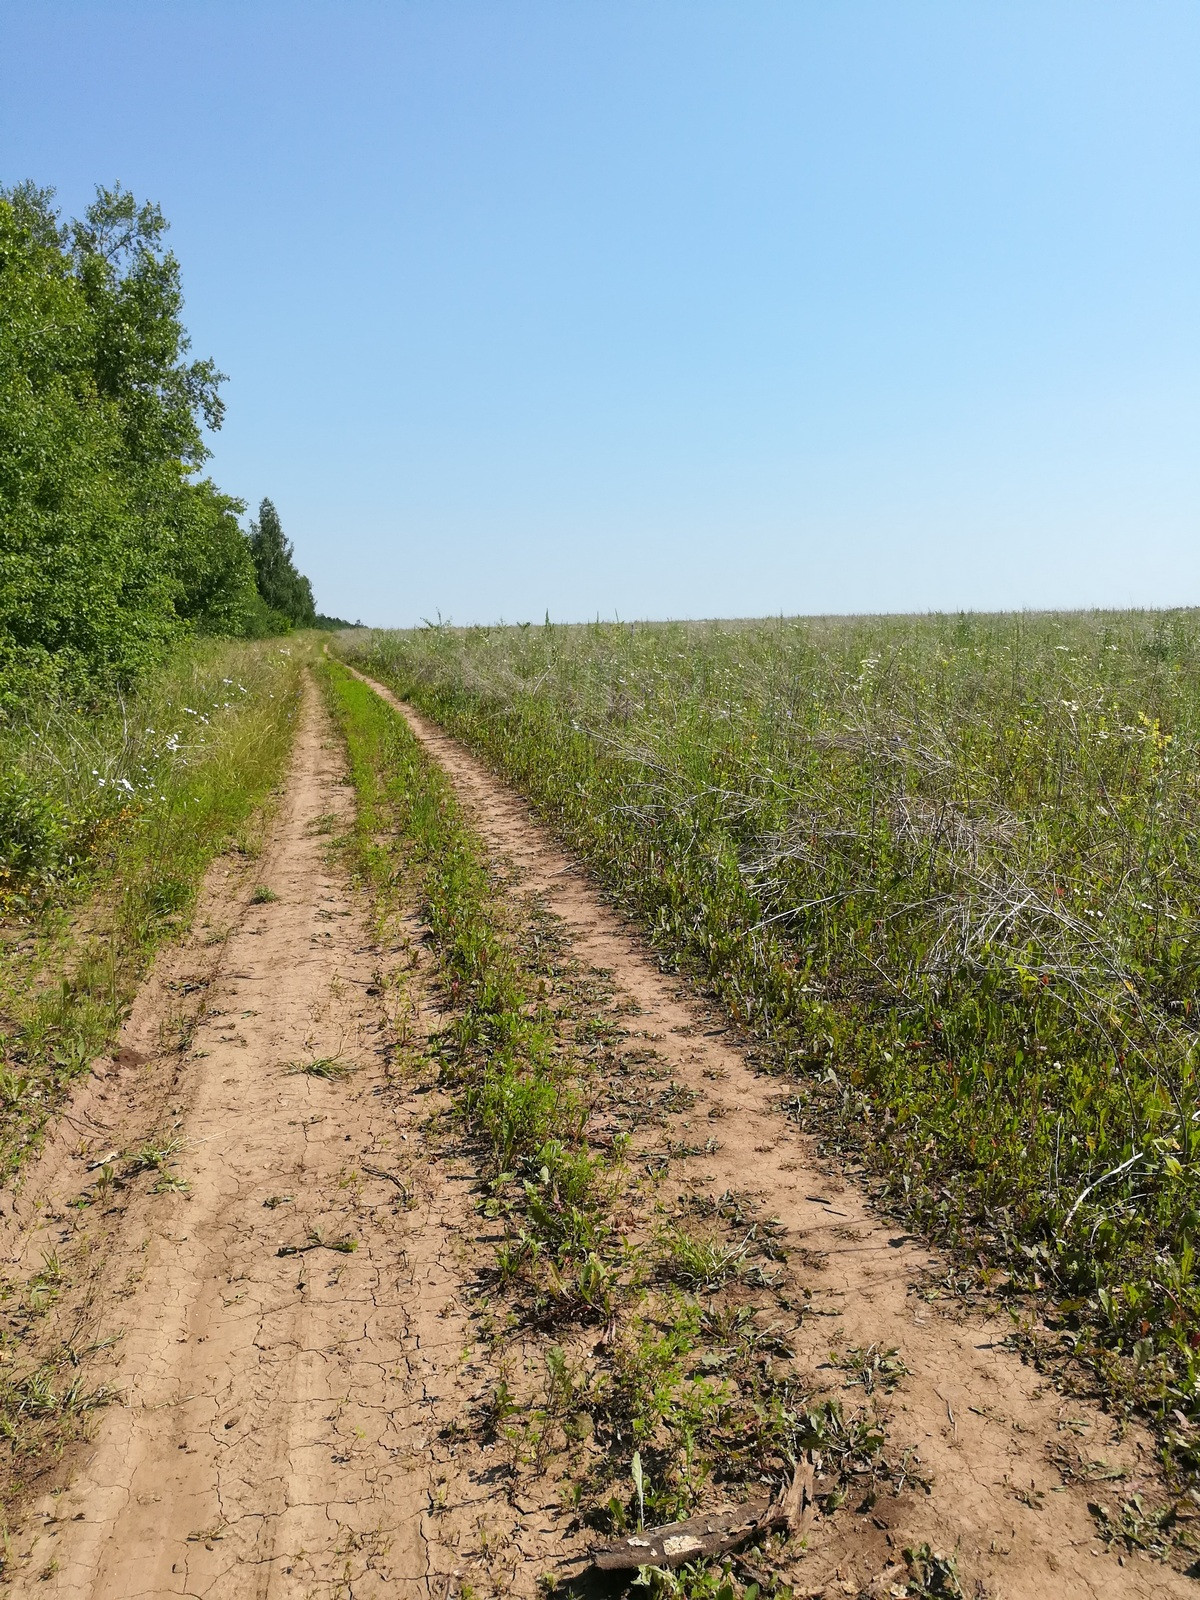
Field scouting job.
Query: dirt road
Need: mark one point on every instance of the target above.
(292, 1333)
(288, 1328)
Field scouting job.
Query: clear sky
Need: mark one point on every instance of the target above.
(670, 307)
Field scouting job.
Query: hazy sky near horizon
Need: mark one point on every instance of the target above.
(670, 307)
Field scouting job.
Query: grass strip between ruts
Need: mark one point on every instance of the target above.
(689, 1388)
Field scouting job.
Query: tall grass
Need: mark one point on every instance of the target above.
(945, 868)
(108, 817)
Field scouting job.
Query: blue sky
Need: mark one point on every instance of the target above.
(655, 309)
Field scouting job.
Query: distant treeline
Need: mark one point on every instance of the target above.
(111, 543)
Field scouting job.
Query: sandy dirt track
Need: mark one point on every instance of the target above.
(280, 1431)
(279, 1410)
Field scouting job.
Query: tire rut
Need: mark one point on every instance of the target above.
(282, 1398)
(982, 1424)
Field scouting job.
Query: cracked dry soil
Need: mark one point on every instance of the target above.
(277, 1426)
(287, 1422)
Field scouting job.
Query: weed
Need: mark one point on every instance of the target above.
(931, 1576)
(208, 1536)
(154, 1156)
(639, 1485)
(44, 1286)
(171, 1183)
(262, 896)
(839, 1442)
(694, 1582)
(168, 896)
(316, 1240)
(738, 1326)
(497, 1409)
(1134, 1527)
(331, 1068)
(701, 1264)
(40, 1412)
(872, 1366)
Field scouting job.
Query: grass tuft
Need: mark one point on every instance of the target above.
(331, 1068)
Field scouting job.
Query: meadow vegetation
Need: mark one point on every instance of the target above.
(943, 871)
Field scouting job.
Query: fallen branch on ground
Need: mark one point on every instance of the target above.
(713, 1532)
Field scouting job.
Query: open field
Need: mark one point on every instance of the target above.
(428, 1229)
(935, 1448)
(943, 871)
(697, 1109)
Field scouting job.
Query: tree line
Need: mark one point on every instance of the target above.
(112, 541)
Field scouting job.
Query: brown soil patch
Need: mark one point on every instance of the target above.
(282, 1401)
(987, 1428)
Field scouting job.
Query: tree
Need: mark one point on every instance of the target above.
(132, 285)
(83, 588)
(210, 559)
(283, 589)
(109, 548)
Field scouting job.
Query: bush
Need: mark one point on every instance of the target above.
(34, 839)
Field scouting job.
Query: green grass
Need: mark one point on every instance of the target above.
(113, 813)
(945, 871)
(515, 1087)
(330, 1068)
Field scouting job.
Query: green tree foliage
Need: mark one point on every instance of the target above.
(284, 591)
(211, 560)
(109, 544)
